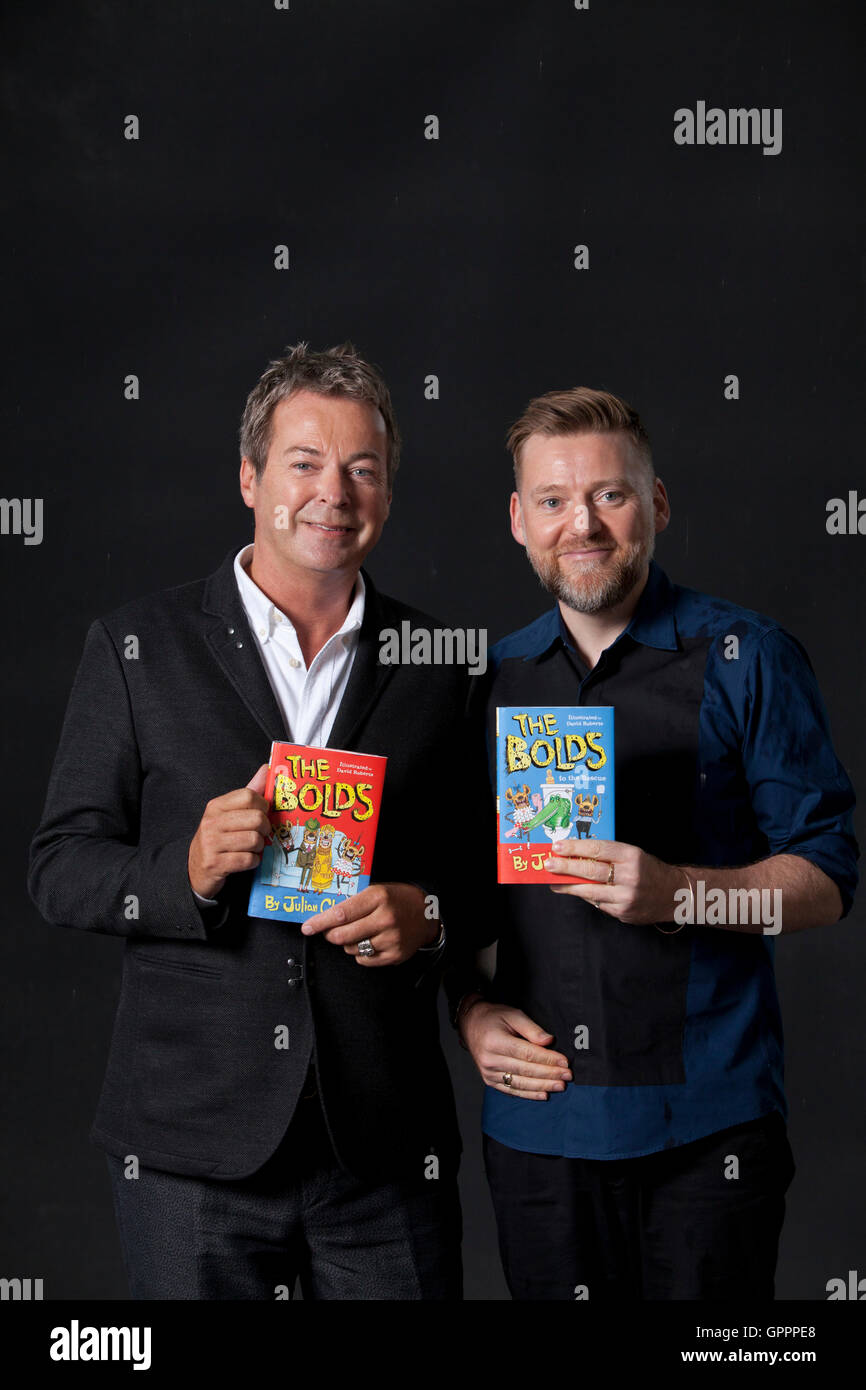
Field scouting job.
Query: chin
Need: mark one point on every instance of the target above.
(327, 564)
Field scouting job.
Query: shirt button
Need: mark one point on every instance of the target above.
(293, 662)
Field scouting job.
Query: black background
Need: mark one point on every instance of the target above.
(455, 257)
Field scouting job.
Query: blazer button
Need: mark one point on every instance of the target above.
(290, 961)
(293, 984)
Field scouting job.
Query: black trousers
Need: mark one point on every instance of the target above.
(300, 1219)
(700, 1221)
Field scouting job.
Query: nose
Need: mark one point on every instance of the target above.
(582, 519)
(334, 488)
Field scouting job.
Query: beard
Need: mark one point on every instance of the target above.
(599, 585)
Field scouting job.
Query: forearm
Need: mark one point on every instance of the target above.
(786, 893)
(468, 975)
(118, 890)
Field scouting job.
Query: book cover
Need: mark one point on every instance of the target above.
(554, 781)
(324, 809)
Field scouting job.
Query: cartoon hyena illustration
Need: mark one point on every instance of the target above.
(306, 855)
(520, 811)
(347, 864)
(584, 815)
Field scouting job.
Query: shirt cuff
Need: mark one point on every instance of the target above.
(209, 908)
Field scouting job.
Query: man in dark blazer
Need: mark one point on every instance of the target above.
(276, 1105)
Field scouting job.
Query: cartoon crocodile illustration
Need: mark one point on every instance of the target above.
(556, 814)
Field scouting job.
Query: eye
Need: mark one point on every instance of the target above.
(550, 502)
(612, 493)
(299, 465)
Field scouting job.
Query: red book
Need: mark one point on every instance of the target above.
(324, 809)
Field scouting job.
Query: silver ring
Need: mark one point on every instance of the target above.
(366, 947)
(507, 1078)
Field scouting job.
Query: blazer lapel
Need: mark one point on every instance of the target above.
(235, 648)
(367, 678)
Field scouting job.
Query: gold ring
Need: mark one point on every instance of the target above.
(507, 1078)
(610, 874)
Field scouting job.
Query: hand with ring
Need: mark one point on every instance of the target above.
(384, 924)
(623, 881)
(511, 1052)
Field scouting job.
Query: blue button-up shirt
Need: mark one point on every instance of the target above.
(723, 758)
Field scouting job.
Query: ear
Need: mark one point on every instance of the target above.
(516, 513)
(248, 482)
(661, 506)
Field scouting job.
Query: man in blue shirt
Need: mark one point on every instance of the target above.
(630, 1038)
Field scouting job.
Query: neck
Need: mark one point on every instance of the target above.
(593, 633)
(314, 603)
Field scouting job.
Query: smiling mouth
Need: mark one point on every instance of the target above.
(588, 551)
(330, 530)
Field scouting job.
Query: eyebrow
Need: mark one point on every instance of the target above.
(551, 489)
(316, 453)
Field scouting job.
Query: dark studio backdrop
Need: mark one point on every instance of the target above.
(307, 128)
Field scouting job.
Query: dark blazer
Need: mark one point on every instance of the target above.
(195, 1083)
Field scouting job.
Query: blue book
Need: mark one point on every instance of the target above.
(554, 781)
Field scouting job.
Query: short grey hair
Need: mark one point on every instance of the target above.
(338, 371)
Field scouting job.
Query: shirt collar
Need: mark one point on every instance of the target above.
(264, 615)
(652, 623)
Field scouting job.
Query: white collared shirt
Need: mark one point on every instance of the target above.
(308, 697)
